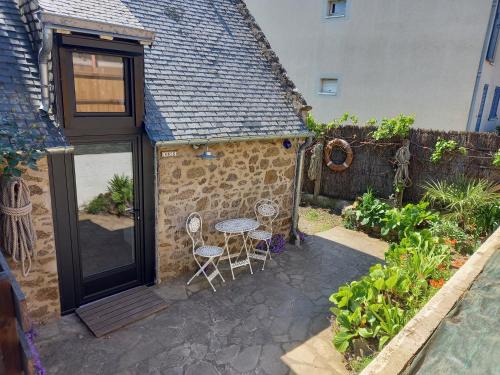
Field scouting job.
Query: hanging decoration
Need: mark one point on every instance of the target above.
(18, 232)
(345, 147)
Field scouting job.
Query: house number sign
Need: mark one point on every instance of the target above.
(168, 154)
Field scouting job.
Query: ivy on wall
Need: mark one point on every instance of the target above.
(19, 148)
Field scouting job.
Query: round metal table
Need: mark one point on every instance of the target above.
(232, 228)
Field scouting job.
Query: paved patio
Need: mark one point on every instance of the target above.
(274, 322)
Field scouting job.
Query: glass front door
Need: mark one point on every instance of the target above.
(108, 216)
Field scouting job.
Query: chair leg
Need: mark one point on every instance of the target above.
(267, 253)
(217, 269)
(198, 272)
(202, 270)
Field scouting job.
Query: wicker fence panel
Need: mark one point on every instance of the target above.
(373, 163)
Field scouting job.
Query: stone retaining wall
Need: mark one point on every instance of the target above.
(219, 189)
(41, 285)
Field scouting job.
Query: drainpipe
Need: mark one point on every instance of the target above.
(43, 63)
(299, 173)
(484, 51)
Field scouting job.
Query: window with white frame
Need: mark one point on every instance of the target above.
(336, 8)
(329, 86)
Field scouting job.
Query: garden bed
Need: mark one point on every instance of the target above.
(429, 241)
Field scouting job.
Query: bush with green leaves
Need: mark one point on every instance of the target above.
(443, 147)
(121, 189)
(397, 127)
(116, 200)
(496, 159)
(19, 148)
(473, 204)
(320, 129)
(367, 211)
(451, 231)
(401, 221)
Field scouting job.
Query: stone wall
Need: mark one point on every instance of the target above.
(219, 189)
(41, 285)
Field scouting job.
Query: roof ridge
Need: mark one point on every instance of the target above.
(292, 94)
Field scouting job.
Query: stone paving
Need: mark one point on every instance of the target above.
(274, 322)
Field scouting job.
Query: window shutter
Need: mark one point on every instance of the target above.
(490, 55)
(481, 107)
(494, 104)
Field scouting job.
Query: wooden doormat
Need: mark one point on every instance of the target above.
(117, 311)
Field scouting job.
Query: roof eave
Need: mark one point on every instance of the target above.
(76, 24)
(203, 141)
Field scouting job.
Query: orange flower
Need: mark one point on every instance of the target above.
(441, 267)
(437, 283)
(457, 263)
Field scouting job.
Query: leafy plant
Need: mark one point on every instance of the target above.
(407, 219)
(496, 159)
(446, 146)
(420, 254)
(359, 364)
(19, 148)
(388, 128)
(99, 204)
(473, 204)
(321, 129)
(121, 190)
(369, 211)
(453, 234)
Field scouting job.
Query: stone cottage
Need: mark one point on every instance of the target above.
(127, 95)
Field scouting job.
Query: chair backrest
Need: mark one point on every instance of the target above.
(266, 211)
(194, 224)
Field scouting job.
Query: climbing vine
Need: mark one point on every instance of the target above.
(496, 159)
(388, 128)
(19, 148)
(443, 147)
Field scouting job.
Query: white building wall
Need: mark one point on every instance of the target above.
(390, 56)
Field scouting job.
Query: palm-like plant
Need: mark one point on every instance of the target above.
(466, 201)
(121, 189)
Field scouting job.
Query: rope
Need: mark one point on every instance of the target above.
(19, 234)
(402, 176)
(316, 160)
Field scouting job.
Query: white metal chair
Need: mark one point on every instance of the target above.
(194, 225)
(266, 211)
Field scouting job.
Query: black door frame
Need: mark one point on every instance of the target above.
(65, 214)
(97, 129)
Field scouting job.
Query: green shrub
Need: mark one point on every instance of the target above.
(407, 219)
(397, 127)
(454, 235)
(99, 204)
(496, 159)
(369, 211)
(444, 146)
(473, 204)
(121, 189)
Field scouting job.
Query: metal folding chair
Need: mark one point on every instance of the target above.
(266, 211)
(201, 251)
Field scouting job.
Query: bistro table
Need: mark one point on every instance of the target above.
(232, 228)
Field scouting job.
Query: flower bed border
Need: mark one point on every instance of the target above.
(401, 350)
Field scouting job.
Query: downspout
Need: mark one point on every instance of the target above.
(156, 203)
(43, 64)
(481, 64)
(299, 173)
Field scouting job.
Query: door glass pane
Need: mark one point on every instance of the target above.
(105, 196)
(99, 82)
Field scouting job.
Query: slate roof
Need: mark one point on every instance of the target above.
(206, 76)
(19, 81)
(106, 11)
